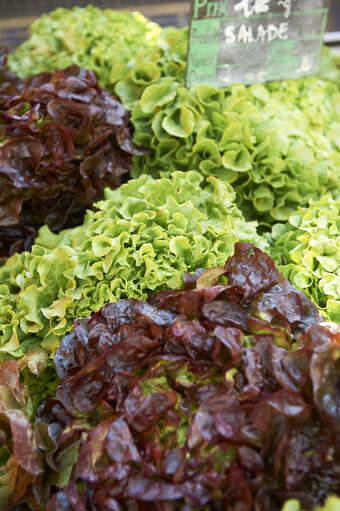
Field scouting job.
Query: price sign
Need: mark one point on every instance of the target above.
(254, 40)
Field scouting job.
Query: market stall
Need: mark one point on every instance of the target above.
(170, 260)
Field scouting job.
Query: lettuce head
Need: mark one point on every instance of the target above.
(277, 144)
(103, 41)
(142, 238)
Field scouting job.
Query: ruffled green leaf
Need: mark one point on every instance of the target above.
(157, 95)
(145, 73)
(180, 122)
(237, 158)
(37, 360)
(307, 250)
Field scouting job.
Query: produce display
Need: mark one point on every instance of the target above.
(142, 238)
(276, 144)
(307, 249)
(174, 399)
(152, 357)
(63, 140)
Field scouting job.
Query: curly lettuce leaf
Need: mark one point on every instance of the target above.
(276, 145)
(306, 250)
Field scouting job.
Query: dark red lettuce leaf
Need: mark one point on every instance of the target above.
(10, 84)
(250, 272)
(26, 456)
(66, 139)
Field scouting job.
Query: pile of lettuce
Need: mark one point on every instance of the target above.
(140, 52)
(221, 393)
(307, 251)
(110, 43)
(277, 144)
(63, 139)
(192, 399)
(142, 238)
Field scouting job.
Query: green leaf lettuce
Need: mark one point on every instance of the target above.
(277, 144)
(307, 251)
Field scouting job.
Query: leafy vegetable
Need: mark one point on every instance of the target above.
(142, 238)
(191, 399)
(65, 139)
(277, 144)
(332, 504)
(9, 82)
(139, 53)
(306, 249)
(84, 36)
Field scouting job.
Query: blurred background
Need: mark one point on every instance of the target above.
(334, 16)
(16, 15)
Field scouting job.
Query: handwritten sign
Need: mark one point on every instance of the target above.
(254, 40)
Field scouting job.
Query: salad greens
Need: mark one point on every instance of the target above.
(84, 36)
(64, 139)
(224, 393)
(170, 403)
(142, 238)
(307, 251)
(278, 144)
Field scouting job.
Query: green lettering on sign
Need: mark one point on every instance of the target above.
(210, 8)
(204, 41)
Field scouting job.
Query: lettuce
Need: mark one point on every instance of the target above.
(84, 36)
(277, 144)
(64, 140)
(306, 250)
(142, 238)
(140, 53)
(331, 504)
(193, 399)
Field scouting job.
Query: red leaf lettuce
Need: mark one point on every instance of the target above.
(193, 399)
(63, 139)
